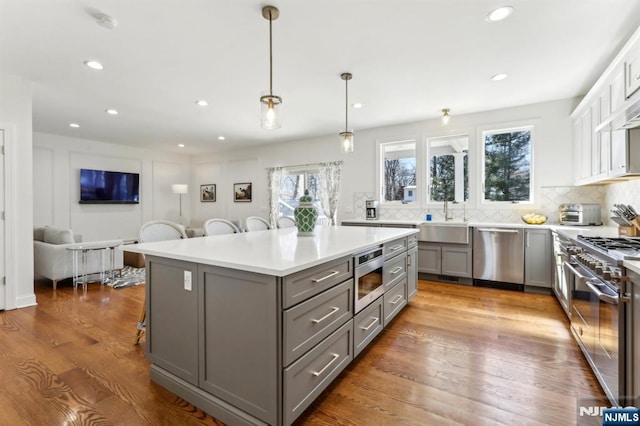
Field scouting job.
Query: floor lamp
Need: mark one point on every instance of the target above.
(180, 188)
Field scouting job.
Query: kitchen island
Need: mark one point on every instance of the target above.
(252, 327)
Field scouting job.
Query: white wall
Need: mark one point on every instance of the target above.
(56, 179)
(15, 119)
(552, 147)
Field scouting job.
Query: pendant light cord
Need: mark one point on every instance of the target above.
(270, 57)
(346, 105)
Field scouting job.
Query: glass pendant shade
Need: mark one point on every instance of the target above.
(445, 116)
(271, 107)
(346, 142)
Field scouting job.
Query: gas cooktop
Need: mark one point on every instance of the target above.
(626, 248)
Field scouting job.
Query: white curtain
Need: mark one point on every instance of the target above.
(330, 189)
(275, 182)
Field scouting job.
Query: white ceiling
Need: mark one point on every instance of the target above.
(409, 59)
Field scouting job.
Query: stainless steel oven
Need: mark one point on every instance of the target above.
(368, 277)
(599, 312)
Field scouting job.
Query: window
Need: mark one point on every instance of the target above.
(398, 171)
(294, 183)
(507, 165)
(449, 168)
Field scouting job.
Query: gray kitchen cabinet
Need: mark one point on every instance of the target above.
(457, 261)
(412, 272)
(394, 300)
(172, 340)
(429, 258)
(289, 336)
(445, 259)
(538, 258)
(632, 71)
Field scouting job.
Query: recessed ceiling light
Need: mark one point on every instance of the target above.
(74, 125)
(202, 103)
(94, 65)
(357, 105)
(111, 111)
(221, 138)
(181, 145)
(499, 14)
(499, 77)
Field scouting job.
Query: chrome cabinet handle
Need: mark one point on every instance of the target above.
(575, 271)
(395, 271)
(319, 280)
(396, 247)
(333, 311)
(397, 299)
(317, 373)
(374, 322)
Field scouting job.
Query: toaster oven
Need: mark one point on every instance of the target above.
(579, 214)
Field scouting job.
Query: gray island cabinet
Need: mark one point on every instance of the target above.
(252, 327)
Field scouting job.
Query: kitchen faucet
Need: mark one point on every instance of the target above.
(447, 214)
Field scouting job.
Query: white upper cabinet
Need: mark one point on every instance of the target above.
(597, 156)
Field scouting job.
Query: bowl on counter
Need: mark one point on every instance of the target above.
(534, 219)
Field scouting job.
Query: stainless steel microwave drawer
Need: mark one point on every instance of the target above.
(395, 247)
(394, 270)
(306, 378)
(305, 284)
(306, 324)
(367, 325)
(394, 300)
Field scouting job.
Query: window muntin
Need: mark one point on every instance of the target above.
(398, 171)
(507, 165)
(448, 168)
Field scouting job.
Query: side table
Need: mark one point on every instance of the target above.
(81, 252)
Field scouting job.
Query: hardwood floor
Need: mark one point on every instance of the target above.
(456, 355)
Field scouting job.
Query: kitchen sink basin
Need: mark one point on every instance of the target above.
(446, 232)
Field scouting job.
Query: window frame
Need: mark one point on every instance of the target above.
(507, 127)
(379, 194)
(299, 170)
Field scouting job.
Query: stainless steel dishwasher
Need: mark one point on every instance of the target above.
(498, 254)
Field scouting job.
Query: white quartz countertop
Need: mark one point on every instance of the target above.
(278, 252)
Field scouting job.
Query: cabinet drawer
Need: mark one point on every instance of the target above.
(412, 240)
(367, 325)
(394, 270)
(305, 379)
(395, 247)
(306, 324)
(394, 301)
(305, 284)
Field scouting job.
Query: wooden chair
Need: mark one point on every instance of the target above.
(218, 226)
(156, 230)
(286, 222)
(255, 223)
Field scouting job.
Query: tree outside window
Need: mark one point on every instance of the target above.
(399, 171)
(507, 165)
(449, 168)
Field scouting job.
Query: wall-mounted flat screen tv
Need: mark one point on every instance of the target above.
(105, 187)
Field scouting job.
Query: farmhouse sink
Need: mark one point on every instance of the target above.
(444, 232)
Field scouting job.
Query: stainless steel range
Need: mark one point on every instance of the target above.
(600, 312)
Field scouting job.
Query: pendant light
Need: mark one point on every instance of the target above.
(445, 116)
(270, 103)
(346, 137)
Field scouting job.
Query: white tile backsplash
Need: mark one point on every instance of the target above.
(550, 199)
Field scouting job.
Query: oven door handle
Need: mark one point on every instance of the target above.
(613, 300)
(573, 270)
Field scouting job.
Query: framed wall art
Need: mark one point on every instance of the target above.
(242, 192)
(208, 192)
